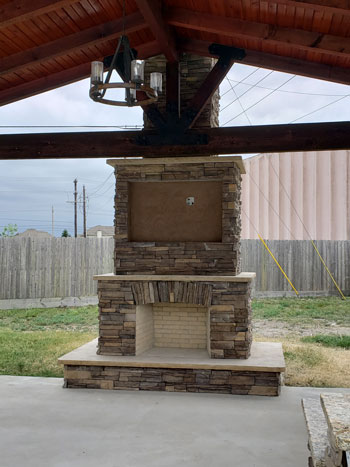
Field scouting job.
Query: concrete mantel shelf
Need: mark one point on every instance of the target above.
(242, 277)
(178, 160)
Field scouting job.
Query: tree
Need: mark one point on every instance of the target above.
(10, 230)
(65, 233)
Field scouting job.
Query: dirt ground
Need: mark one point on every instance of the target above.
(276, 328)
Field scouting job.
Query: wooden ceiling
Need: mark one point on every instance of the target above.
(45, 44)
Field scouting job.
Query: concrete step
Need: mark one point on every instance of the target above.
(317, 431)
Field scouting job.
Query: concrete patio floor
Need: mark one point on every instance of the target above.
(45, 425)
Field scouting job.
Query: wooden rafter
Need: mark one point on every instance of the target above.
(47, 83)
(230, 140)
(22, 10)
(71, 43)
(151, 10)
(276, 62)
(62, 78)
(267, 33)
(331, 6)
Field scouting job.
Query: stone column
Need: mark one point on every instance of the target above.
(193, 71)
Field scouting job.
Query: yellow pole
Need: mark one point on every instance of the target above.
(278, 264)
(329, 272)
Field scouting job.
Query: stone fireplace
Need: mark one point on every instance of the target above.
(176, 260)
(175, 314)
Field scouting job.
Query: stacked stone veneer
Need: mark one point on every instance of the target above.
(193, 71)
(173, 379)
(228, 304)
(209, 258)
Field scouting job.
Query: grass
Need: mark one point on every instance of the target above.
(32, 340)
(310, 364)
(303, 310)
(329, 341)
(35, 353)
(47, 319)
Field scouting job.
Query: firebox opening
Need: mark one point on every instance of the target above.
(171, 325)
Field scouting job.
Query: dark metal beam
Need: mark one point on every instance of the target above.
(231, 140)
(172, 93)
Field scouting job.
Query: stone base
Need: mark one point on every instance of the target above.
(183, 370)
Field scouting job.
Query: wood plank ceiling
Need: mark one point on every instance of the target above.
(45, 44)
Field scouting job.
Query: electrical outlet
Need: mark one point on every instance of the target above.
(190, 200)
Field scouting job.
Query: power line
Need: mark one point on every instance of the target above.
(245, 113)
(101, 185)
(239, 82)
(320, 108)
(248, 90)
(284, 90)
(260, 100)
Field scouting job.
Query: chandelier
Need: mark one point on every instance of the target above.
(136, 92)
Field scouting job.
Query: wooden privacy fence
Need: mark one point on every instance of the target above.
(63, 267)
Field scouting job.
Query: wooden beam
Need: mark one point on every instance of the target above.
(47, 83)
(151, 10)
(71, 43)
(270, 34)
(16, 11)
(230, 140)
(341, 7)
(276, 62)
(62, 78)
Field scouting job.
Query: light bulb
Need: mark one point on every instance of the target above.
(96, 73)
(156, 81)
(137, 71)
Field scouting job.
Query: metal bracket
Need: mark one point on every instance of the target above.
(225, 51)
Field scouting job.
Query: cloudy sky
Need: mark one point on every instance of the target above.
(30, 189)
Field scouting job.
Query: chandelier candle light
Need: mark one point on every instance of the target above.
(133, 69)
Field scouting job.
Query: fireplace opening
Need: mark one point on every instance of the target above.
(171, 326)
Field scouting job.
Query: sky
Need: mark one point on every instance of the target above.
(30, 190)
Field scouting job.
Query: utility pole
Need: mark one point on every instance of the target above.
(53, 222)
(84, 211)
(75, 209)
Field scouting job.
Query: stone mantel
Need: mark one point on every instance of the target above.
(122, 162)
(242, 277)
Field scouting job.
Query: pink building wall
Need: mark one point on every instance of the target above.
(318, 185)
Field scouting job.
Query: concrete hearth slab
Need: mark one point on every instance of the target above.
(265, 356)
(43, 425)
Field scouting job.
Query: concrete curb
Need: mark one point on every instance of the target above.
(57, 302)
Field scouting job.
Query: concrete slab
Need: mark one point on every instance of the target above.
(265, 356)
(44, 425)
